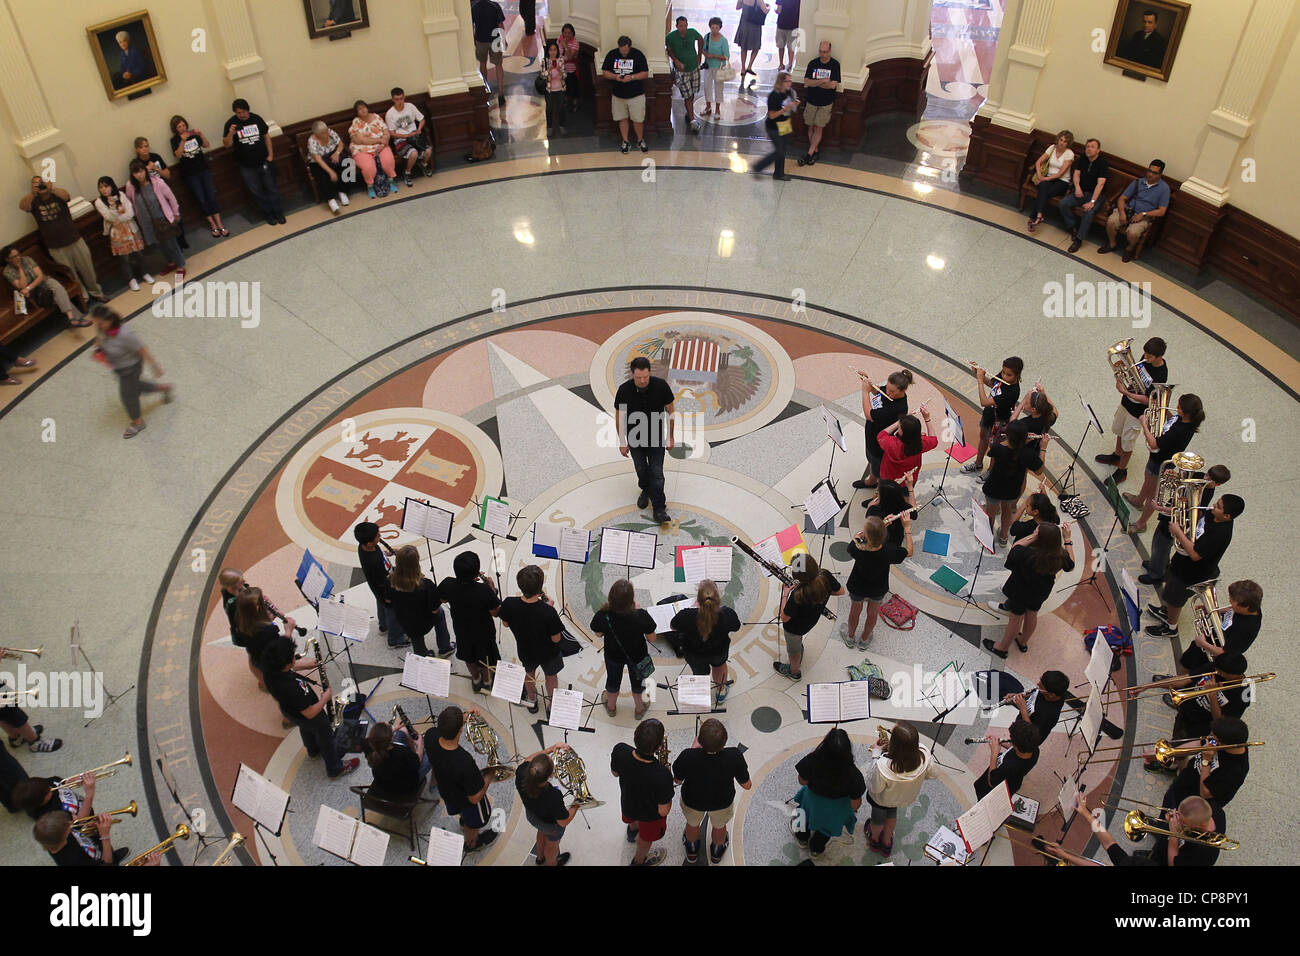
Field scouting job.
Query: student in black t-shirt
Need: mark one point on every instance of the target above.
(645, 790)
(1162, 539)
(1177, 436)
(1035, 415)
(253, 628)
(708, 773)
(626, 629)
(376, 567)
(782, 103)
(801, 608)
(998, 398)
(831, 791)
(1241, 623)
(1200, 818)
(53, 831)
(461, 783)
(1127, 425)
(872, 555)
(881, 408)
(394, 757)
(413, 600)
(1013, 459)
(544, 805)
(1011, 765)
(1216, 775)
(187, 147)
(643, 414)
(1036, 509)
(474, 603)
(1198, 562)
(250, 138)
(1042, 706)
(1197, 714)
(1034, 563)
(537, 628)
(706, 631)
(893, 498)
(302, 705)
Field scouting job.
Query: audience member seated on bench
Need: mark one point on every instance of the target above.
(1089, 177)
(1052, 174)
(40, 290)
(9, 357)
(325, 163)
(1145, 200)
(370, 137)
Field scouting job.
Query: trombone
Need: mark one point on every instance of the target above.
(182, 833)
(228, 853)
(19, 651)
(1166, 753)
(73, 782)
(89, 825)
(1138, 824)
(1039, 845)
(1179, 695)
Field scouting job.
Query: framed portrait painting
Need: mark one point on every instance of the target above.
(1145, 35)
(127, 55)
(335, 18)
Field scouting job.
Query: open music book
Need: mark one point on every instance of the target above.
(834, 703)
(349, 838)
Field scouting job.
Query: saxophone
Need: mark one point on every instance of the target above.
(332, 709)
(661, 754)
(571, 773)
(486, 742)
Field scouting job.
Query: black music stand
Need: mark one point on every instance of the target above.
(77, 648)
(940, 491)
(941, 716)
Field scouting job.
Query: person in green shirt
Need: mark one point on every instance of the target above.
(686, 49)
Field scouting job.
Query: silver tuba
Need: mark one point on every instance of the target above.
(1179, 493)
(1206, 611)
(1162, 409)
(1120, 356)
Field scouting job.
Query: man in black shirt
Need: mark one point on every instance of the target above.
(1042, 706)
(300, 704)
(250, 138)
(1199, 562)
(489, 41)
(646, 790)
(1127, 425)
(1089, 177)
(708, 773)
(461, 783)
(643, 414)
(537, 628)
(375, 566)
(1215, 775)
(1162, 540)
(821, 80)
(1012, 765)
(626, 68)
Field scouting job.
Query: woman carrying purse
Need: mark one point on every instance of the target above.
(626, 630)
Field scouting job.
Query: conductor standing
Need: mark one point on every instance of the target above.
(643, 409)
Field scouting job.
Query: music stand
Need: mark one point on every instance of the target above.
(547, 544)
(75, 645)
(959, 438)
(429, 521)
(983, 532)
(941, 714)
(166, 773)
(1122, 515)
(1067, 478)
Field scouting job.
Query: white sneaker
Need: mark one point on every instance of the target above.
(343, 198)
(334, 206)
(971, 468)
(147, 278)
(135, 286)
(846, 637)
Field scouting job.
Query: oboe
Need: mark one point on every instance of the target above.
(776, 571)
(332, 705)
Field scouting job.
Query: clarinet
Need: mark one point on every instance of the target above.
(777, 572)
(331, 707)
(275, 613)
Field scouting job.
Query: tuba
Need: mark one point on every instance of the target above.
(1120, 356)
(571, 773)
(1206, 611)
(486, 742)
(1163, 409)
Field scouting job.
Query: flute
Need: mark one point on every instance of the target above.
(986, 372)
(863, 375)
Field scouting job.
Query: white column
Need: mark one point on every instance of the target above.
(998, 78)
(450, 42)
(1232, 120)
(1025, 61)
(643, 21)
(244, 65)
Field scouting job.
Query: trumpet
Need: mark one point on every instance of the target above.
(571, 772)
(1206, 611)
(1120, 356)
(73, 782)
(19, 651)
(228, 853)
(1166, 754)
(486, 742)
(1138, 824)
(182, 832)
(90, 824)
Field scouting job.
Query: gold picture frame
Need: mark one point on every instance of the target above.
(1151, 53)
(348, 15)
(131, 67)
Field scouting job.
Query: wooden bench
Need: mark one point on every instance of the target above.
(300, 143)
(12, 324)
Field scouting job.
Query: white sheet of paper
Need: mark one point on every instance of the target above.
(958, 431)
(821, 505)
(313, 585)
(694, 693)
(566, 709)
(356, 622)
(496, 517)
(613, 545)
(946, 847)
(641, 549)
(330, 617)
(574, 544)
(662, 614)
(1128, 587)
(445, 848)
(978, 824)
(771, 551)
(508, 681)
(981, 526)
(1091, 414)
(833, 430)
(1098, 670)
(369, 846)
(427, 675)
(1092, 714)
(260, 799)
(334, 832)
(718, 562)
(1065, 799)
(695, 565)
(439, 525)
(855, 702)
(824, 703)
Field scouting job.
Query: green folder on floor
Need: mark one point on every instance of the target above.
(949, 580)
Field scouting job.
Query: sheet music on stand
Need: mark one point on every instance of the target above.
(954, 420)
(428, 521)
(575, 545)
(546, 539)
(566, 709)
(978, 824)
(350, 621)
(833, 430)
(260, 799)
(508, 682)
(663, 614)
(427, 675)
(348, 838)
(633, 549)
(835, 703)
(981, 525)
(694, 694)
(1098, 669)
(1090, 724)
(711, 561)
(494, 517)
(822, 506)
(946, 848)
(769, 550)
(312, 580)
(445, 848)
(1065, 799)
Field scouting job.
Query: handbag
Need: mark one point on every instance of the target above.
(784, 127)
(899, 613)
(726, 73)
(641, 669)
(540, 83)
(569, 645)
(162, 229)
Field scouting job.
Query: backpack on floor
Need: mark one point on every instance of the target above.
(898, 613)
(1119, 642)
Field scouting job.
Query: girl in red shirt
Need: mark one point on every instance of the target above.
(903, 445)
